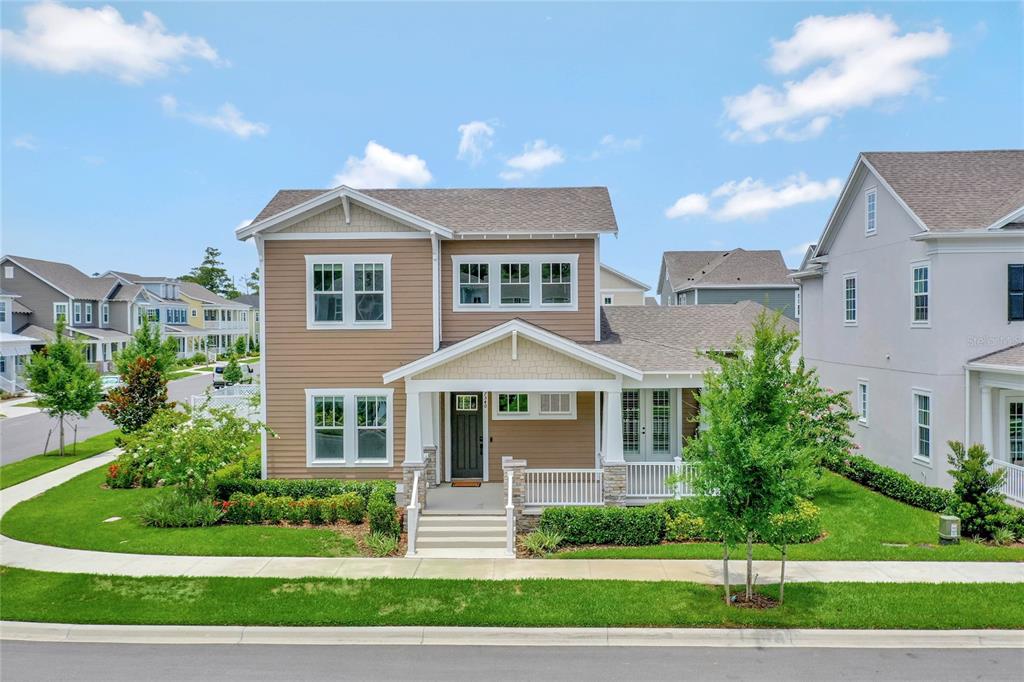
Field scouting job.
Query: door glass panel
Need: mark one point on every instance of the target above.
(661, 421)
(1016, 435)
(631, 421)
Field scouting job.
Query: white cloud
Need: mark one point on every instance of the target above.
(244, 223)
(511, 176)
(536, 156)
(477, 138)
(691, 204)
(614, 143)
(750, 198)
(865, 59)
(26, 141)
(227, 119)
(66, 39)
(381, 168)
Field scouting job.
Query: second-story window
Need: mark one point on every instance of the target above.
(88, 313)
(520, 281)
(78, 313)
(1015, 292)
(60, 312)
(474, 284)
(850, 299)
(796, 304)
(871, 211)
(515, 283)
(105, 313)
(921, 284)
(348, 292)
(556, 283)
(210, 315)
(3, 311)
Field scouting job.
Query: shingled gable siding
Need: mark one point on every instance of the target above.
(360, 220)
(298, 358)
(576, 325)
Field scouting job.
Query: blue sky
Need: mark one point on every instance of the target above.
(132, 141)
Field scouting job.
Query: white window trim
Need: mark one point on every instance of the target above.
(105, 314)
(863, 415)
(88, 313)
(8, 272)
(78, 312)
(348, 261)
(923, 323)
(918, 459)
(868, 230)
(534, 412)
(797, 302)
(847, 276)
(494, 281)
(350, 428)
(607, 299)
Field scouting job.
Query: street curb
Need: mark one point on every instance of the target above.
(472, 636)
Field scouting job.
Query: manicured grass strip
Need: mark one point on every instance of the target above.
(17, 472)
(181, 375)
(249, 361)
(207, 368)
(31, 403)
(81, 598)
(860, 524)
(72, 515)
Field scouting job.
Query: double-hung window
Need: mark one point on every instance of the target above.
(922, 426)
(1015, 292)
(88, 313)
(3, 311)
(105, 314)
(348, 292)
(474, 284)
(921, 283)
(850, 299)
(78, 313)
(871, 212)
(556, 283)
(349, 427)
(863, 402)
(515, 283)
(607, 299)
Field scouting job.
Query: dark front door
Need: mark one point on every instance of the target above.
(467, 410)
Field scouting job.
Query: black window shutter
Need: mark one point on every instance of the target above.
(1015, 289)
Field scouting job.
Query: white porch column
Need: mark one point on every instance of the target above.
(986, 419)
(413, 430)
(427, 434)
(613, 427)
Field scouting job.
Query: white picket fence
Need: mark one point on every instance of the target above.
(238, 398)
(563, 487)
(649, 480)
(1013, 485)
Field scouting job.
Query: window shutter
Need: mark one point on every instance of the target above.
(1015, 287)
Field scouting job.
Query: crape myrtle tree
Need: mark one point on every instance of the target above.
(766, 424)
(142, 393)
(63, 379)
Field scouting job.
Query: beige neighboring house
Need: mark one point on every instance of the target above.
(914, 303)
(702, 277)
(440, 335)
(618, 288)
(253, 301)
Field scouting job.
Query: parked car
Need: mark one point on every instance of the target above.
(218, 375)
(108, 382)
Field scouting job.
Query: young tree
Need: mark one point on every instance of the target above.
(240, 346)
(765, 424)
(233, 372)
(210, 273)
(981, 506)
(252, 282)
(146, 343)
(144, 392)
(63, 379)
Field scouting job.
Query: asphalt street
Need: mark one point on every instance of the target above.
(27, 661)
(22, 437)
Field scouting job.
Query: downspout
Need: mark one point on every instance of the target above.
(263, 355)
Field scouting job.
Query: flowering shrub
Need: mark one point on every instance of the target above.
(120, 476)
(243, 508)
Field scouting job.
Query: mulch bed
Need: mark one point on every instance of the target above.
(756, 601)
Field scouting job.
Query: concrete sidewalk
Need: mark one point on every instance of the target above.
(57, 559)
(472, 636)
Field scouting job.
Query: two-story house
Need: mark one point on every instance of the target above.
(460, 332)
(14, 348)
(253, 301)
(618, 288)
(702, 277)
(913, 301)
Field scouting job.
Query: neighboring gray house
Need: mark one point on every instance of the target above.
(913, 301)
(14, 348)
(701, 277)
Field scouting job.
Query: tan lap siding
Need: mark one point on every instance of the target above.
(545, 443)
(298, 358)
(577, 325)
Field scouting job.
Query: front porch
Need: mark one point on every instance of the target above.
(996, 382)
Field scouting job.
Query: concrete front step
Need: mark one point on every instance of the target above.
(459, 542)
(461, 553)
(461, 518)
(464, 531)
(461, 536)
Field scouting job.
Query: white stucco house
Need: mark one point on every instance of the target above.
(913, 301)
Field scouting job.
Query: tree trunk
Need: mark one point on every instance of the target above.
(750, 566)
(725, 571)
(782, 577)
(62, 434)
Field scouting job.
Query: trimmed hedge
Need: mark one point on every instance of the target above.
(606, 525)
(892, 483)
(243, 508)
(298, 488)
(381, 510)
(682, 524)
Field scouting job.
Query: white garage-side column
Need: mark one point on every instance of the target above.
(986, 419)
(613, 463)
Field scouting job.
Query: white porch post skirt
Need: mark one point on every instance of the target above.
(986, 419)
(613, 428)
(413, 437)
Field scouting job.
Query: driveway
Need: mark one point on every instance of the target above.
(22, 437)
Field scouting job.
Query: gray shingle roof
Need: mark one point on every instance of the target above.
(563, 210)
(1011, 356)
(688, 269)
(955, 190)
(667, 338)
(249, 299)
(68, 278)
(201, 293)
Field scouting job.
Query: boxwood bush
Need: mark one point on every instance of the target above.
(382, 512)
(891, 483)
(683, 524)
(244, 508)
(606, 525)
(299, 488)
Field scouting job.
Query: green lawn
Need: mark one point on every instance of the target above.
(207, 368)
(81, 598)
(249, 361)
(16, 472)
(31, 403)
(72, 515)
(181, 374)
(859, 524)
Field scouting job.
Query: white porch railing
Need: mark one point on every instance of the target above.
(563, 487)
(650, 479)
(1013, 485)
(510, 517)
(412, 515)
(238, 398)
